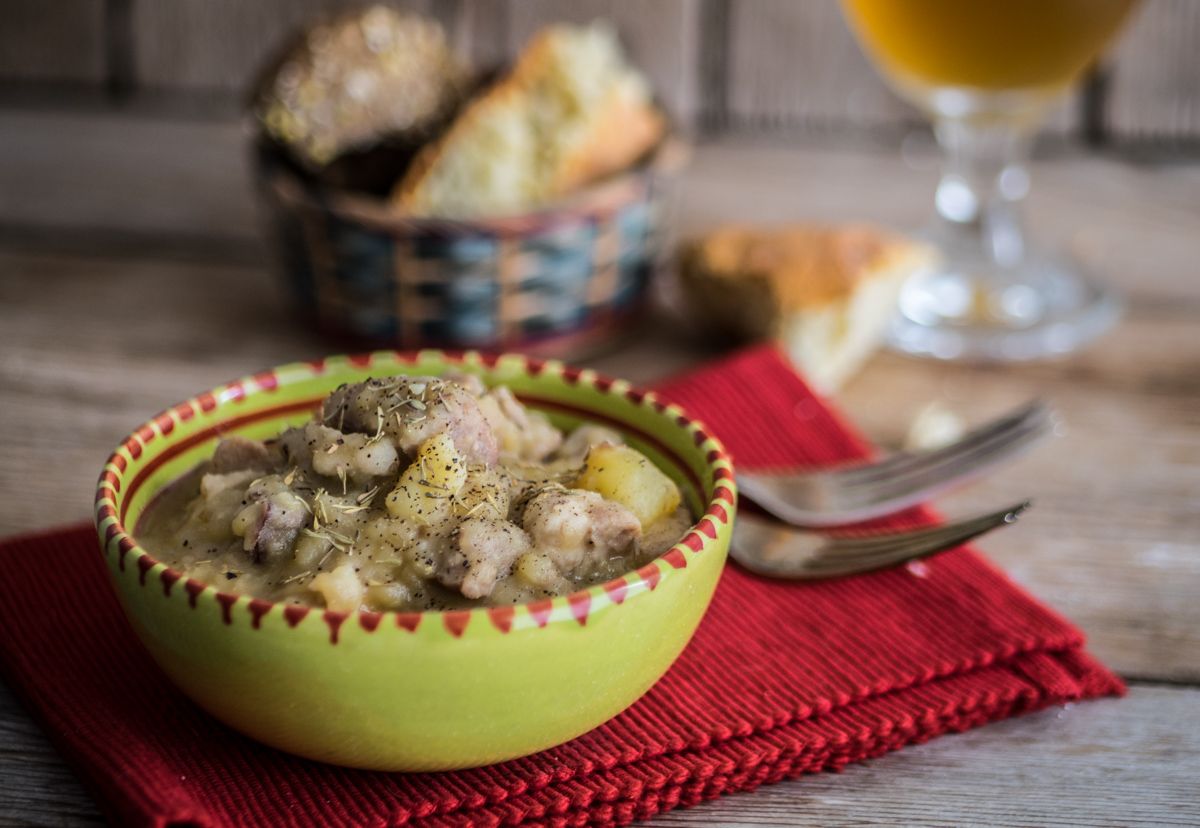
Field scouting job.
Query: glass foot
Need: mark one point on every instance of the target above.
(965, 310)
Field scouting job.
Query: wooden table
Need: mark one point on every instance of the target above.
(115, 321)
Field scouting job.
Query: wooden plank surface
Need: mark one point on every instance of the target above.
(207, 44)
(1156, 76)
(60, 41)
(795, 64)
(115, 175)
(37, 788)
(1112, 540)
(1125, 763)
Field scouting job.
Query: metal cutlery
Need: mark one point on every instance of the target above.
(849, 494)
(775, 550)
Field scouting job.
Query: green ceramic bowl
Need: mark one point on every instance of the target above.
(430, 690)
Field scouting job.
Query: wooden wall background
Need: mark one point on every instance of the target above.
(751, 65)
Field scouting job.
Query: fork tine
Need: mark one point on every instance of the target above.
(1033, 412)
(820, 499)
(1037, 422)
(919, 485)
(845, 556)
(774, 550)
(977, 459)
(849, 545)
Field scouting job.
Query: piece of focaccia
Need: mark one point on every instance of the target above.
(825, 293)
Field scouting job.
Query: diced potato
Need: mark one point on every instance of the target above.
(248, 518)
(626, 476)
(537, 569)
(424, 491)
(341, 589)
(384, 597)
(439, 463)
(584, 438)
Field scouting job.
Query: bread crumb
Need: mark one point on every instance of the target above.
(934, 426)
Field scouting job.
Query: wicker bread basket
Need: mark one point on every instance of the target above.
(557, 281)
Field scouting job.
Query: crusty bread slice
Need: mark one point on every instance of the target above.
(623, 130)
(483, 165)
(825, 293)
(570, 111)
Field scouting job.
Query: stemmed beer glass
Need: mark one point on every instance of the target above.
(985, 72)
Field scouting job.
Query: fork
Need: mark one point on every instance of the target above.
(776, 550)
(832, 497)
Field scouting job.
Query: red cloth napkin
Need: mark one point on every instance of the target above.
(780, 679)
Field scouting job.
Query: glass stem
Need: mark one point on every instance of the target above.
(983, 182)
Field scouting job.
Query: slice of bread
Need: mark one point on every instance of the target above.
(569, 112)
(825, 293)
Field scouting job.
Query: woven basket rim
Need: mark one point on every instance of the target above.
(604, 196)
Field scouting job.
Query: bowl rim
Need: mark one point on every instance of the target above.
(118, 482)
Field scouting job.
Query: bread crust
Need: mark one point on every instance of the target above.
(749, 283)
(621, 135)
(409, 193)
(619, 132)
(802, 266)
